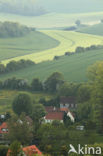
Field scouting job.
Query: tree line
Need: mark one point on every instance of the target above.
(15, 65)
(11, 29)
(22, 8)
(81, 50)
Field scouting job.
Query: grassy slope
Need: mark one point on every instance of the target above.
(73, 67)
(68, 42)
(95, 29)
(31, 43)
(6, 98)
(53, 19)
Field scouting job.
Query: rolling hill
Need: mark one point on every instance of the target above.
(20, 46)
(53, 20)
(24, 48)
(73, 67)
(95, 29)
(72, 6)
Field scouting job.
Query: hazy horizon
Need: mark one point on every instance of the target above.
(39, 7)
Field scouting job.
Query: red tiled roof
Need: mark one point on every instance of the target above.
(3, 126)
(69, 99)
(30, 150)
(55, 115)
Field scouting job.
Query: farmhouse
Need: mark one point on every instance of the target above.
(68, 102)
(54, 115)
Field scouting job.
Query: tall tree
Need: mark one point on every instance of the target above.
(53, 82)
(22, 103)
(95, 73)
(20, 129)
(36, 85)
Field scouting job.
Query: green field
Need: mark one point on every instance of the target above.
(95, 29)
(31, 43)
(68, 42)
(52, 20)
(7, 96)
(73, 67)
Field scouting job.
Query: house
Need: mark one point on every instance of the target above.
(68, 102)
(3, 128)
(29, 151)
(54, 115)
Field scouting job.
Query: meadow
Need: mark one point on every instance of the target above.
(31, 43)
(73, 67)
(96, 29)
(68, 42)
(53, 20)
(7, 96)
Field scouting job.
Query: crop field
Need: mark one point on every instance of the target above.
(52, 20)
(68, 42)
(95, 29)
(73, 67)
(6, 98)
(31, 43)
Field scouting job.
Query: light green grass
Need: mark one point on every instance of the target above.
(95, 29)
(31, 43)
(7, 96)
(73, 67)
(68, 42)
(53, 19)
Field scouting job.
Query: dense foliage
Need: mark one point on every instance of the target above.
(10, 29)
(15, 65)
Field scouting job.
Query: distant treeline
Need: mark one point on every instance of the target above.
(15, 65)
(25, 8)
(11, 29)
(81, 50)
(51, 84)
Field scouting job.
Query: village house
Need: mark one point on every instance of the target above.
(3, 128)
(68, 102)
(54, 113)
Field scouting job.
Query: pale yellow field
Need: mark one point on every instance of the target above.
(68, 42)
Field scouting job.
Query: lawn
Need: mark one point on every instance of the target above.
(68, 42)
(20, 46)
(52, 20)
(73, 67)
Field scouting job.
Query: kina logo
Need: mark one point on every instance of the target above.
(86, 150)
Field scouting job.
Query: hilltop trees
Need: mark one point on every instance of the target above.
(78, 22)
(21, 8)
(10, 29)
(22, 103)
(15, 65)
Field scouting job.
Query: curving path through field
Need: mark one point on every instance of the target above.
(68, 42)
